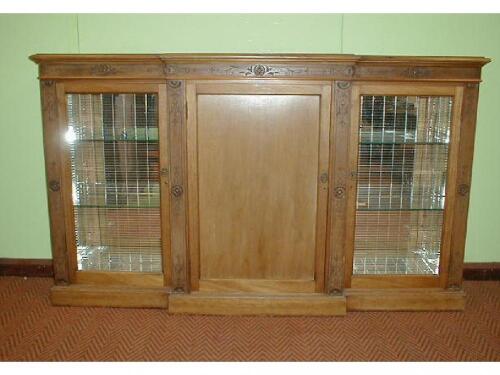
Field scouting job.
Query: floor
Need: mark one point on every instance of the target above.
(31, 329)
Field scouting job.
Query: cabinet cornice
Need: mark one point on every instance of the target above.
(268, 66)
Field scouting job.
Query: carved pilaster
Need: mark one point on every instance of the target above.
(178, 218)
(339, 150)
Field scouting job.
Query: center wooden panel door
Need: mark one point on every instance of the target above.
(257, 185)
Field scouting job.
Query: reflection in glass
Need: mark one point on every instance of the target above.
(115, 174)
(402, 170)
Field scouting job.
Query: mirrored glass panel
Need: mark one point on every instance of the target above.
(115, 176)
(402, 170)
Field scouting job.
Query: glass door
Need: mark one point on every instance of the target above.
(402, 166)
(114, 162)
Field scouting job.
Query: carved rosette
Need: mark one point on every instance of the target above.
(339, 192)
(177, 191)
(463, 189)
(259, 70)
(174, 84)
(343, 84)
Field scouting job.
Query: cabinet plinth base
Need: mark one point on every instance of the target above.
(108, 296)
(238, 304)
(260, 304)
(404, 300)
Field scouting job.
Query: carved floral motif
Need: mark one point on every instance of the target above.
(340, 192)
(260, 70)
(343, 84)
(103, 69)
(174, 84)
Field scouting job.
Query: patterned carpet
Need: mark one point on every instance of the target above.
(31, 329)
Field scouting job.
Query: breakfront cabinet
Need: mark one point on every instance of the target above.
(259, 184)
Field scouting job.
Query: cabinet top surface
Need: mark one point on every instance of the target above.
(228, 57)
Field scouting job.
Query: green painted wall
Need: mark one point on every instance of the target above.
(24, 228)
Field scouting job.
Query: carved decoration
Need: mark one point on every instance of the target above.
(175, 103)
(54, 185)
(164, 172)
(343, 97)
(177, 191)
(463, 189)
(176, 121)
(343, 84)
(259, 70)
(324, 177)
(47, 83)
(340, 179)
(339, 192)
(349, 71)
(103, 69)
(174, 84)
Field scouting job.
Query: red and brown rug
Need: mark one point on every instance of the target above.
(32, 330)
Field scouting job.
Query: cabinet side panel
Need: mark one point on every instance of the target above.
(464, 172)
(52, 142)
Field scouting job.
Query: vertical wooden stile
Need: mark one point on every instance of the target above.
(176, 104)
(52, 139)
(340, 176)
(163, 137)
(463, 179)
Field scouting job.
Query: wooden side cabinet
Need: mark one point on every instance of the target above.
(259, 184)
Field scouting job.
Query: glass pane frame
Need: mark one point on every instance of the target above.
(375, 280)
(159, 276)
